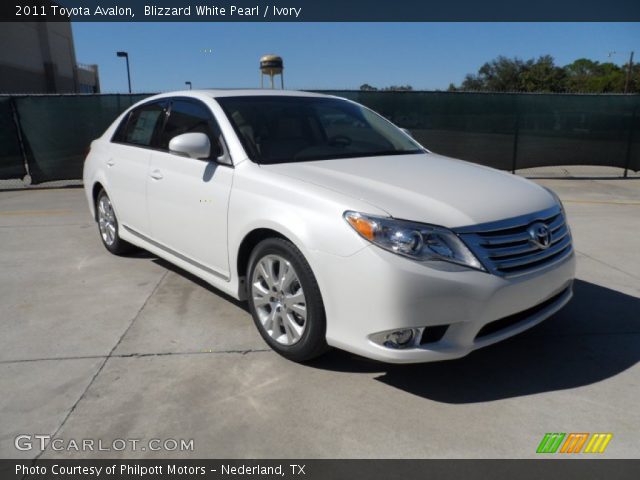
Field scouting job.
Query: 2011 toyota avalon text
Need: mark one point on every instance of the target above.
(336, 226)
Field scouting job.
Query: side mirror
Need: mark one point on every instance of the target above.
(193, 145)
(407, 132)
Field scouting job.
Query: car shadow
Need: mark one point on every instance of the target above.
(593, 338)
(198, 281)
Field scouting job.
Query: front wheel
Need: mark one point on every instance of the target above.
(285, 300)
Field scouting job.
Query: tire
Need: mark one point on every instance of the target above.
(108, 226)
(289, 317)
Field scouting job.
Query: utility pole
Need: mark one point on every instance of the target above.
(629, 70)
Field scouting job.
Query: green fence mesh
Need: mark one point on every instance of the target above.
(515, 130)
(506, 131)
(57, 130)
(575, 129)
(11, 160)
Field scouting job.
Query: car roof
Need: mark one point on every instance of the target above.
(249, 92)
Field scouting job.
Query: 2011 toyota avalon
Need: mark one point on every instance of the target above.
(337, 227)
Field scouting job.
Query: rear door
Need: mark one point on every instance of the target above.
(128, 164)
(187, 199)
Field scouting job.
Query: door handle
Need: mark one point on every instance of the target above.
(110, 163)
(157, 174)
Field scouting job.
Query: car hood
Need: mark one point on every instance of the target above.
(427, 188)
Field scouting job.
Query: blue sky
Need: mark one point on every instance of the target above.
(332, 55)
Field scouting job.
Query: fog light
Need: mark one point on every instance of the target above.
(399, 338)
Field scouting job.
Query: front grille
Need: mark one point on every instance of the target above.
(506, 248)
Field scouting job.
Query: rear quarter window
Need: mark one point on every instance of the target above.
(140, 125)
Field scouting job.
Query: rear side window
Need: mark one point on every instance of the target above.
(188, 117)
(141, 124)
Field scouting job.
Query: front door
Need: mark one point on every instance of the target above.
(187, 198)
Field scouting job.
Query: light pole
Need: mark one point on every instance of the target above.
(188, 83)
(629, 69)
(126, 56)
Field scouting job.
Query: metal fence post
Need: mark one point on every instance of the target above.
(23, 150)
(627, 162)
(516, 135)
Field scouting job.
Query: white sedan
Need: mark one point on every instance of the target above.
(337, 227)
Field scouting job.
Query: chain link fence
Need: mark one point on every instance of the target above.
(44, 138)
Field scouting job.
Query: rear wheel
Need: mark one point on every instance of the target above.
(285, 301)
(108, 226)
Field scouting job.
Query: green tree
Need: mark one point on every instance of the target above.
(499, 75)
(543, 75)
(398, 88)
(587, 76)
(393, 88)
(634, 83)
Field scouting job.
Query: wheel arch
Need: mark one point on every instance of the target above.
(95, 190)
(249, 242)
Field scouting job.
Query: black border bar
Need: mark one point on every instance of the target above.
(326, 11)
(534, 469)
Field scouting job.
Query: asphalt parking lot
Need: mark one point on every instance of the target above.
(94, 346)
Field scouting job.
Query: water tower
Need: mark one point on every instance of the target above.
(271, 65)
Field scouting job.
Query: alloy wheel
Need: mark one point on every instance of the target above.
(106, 220)
(279, 299)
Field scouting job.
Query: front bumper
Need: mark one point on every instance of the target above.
(374, 291)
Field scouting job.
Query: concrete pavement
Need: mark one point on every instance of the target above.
(94, 346)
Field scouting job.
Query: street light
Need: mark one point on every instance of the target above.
(126, 56)
(188, 83)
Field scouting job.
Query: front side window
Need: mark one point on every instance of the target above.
(141, 125)
(277, 129)
(188, 117)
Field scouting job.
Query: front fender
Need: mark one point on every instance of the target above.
(308, 215)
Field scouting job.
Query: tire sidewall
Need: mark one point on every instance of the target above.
(313, 340)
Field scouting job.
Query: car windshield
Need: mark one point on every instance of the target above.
(278, 129)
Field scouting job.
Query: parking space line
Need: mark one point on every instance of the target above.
(606, 264)
(241, 351)
(106, 359)
(19, 213)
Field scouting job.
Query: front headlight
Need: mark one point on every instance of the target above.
(414, 240)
